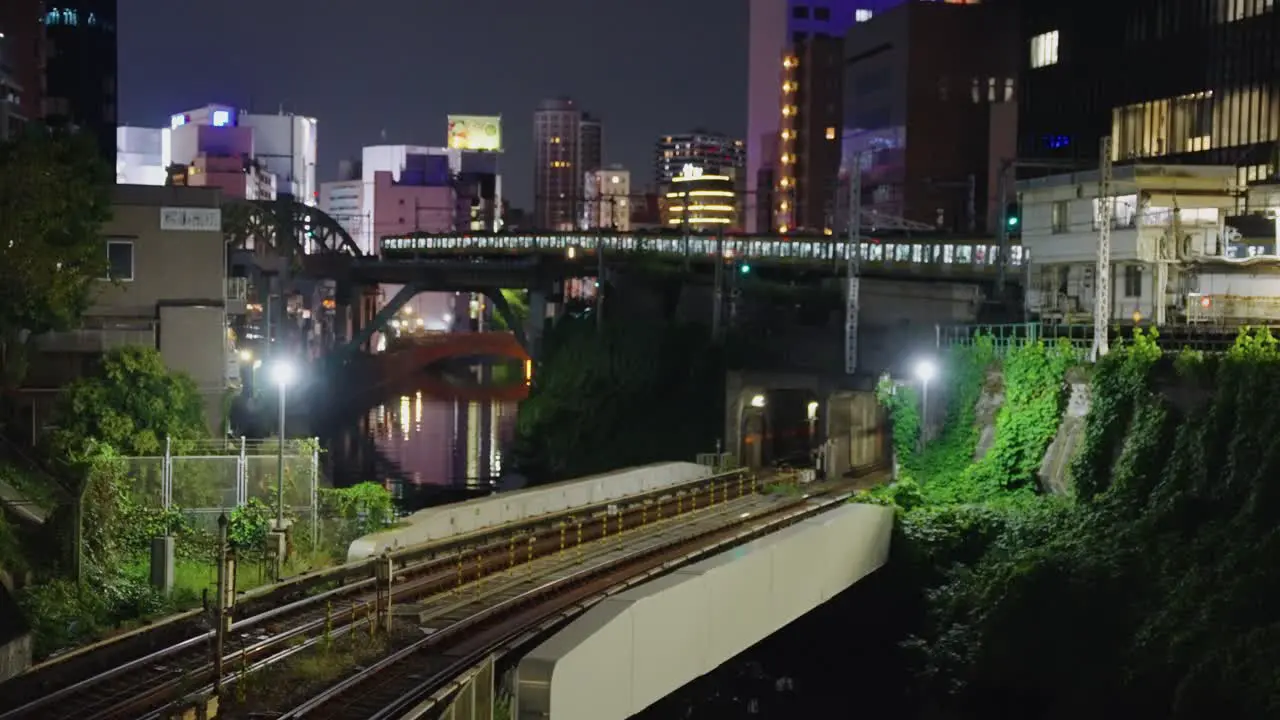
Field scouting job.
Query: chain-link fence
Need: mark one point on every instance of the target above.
(205, 480)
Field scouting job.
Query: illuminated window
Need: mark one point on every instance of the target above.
(831, 133)
(861, 15)
(1232, 10)
(1044, 49)
(1061, 216)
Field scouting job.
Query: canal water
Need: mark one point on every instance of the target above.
(442, 437)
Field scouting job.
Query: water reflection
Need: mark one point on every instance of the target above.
(441, 438)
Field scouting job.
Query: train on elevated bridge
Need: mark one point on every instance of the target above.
(932, 257)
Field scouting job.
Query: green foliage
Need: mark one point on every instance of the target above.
(518, 301)
(54, 198)
(63, 613)
(1026, 423)
(902, 406)
(1143, 596)
(631, 394)
(131, 403)
(354, 512)
(248, 526)
(1119, 380)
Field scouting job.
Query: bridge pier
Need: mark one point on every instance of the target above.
(536, 323)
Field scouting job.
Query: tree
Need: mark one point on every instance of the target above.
(54, 198)
(132, 403)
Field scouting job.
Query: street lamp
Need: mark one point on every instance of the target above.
(282, 372)
(757, 401)
(925, 371)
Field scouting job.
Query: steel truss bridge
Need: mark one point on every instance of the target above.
(293, 229)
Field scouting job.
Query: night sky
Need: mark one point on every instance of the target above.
(400, 66)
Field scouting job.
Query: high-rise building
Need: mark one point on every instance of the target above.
(1218, 106)
(708, 150)
(923, 84)
(775, 27)
(80, 69)
(22, 51)
(11, 118)
(700, 200)
(810, 117)
(591, 137)
(567, 144)
(608, 199)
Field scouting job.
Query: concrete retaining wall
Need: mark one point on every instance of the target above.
(448, 521)
(635, 648)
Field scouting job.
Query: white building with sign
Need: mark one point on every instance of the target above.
(1173, 257)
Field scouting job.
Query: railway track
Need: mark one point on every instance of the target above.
(138, 685)
(413, 680)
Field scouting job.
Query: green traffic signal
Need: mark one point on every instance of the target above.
(1013, 220)
(744, 269)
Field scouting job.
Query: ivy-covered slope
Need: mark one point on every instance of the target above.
(1148, 594)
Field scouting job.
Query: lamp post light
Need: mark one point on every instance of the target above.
(925, 371)
(282, 372)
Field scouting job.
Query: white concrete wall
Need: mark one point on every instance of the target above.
(447, 521)
(639, 646)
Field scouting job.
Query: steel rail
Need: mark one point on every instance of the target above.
(360, 568)
(441, 686)
(549, 591)
(432, 550)
(599, 549)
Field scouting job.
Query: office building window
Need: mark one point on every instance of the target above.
(1132, 281)
(822, 14)
(861, 15)
(120, 260)
(1044, 49)
(800, 12)
(797, 38)
(1061, 216)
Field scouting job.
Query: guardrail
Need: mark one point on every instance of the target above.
(362, 571)
(434, 691)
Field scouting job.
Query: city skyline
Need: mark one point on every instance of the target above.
(357, 98)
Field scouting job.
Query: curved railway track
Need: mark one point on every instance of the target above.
(135, 686)
(419, 675)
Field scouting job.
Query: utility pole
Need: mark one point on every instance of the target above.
(717, 300)
(684, 224)
(599, 298)
(853, 265)
(1102, 275)
(1002, 230)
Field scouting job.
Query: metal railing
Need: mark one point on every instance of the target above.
(211, 478)
(1005, 337)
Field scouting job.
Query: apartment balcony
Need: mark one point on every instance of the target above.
(100, 339)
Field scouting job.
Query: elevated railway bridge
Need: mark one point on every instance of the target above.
(484, 263)
(532, 586)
